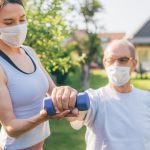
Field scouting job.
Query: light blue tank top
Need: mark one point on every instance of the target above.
(27, 92)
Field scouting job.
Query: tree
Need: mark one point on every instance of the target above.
(46, 33)
(88, 47)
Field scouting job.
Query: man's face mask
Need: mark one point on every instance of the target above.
(118, 75)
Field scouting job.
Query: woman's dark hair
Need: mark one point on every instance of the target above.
(4, 2)
(15, 1)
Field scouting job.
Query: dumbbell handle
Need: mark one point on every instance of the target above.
(82, 103)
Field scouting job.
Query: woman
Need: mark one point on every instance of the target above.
(23, 85)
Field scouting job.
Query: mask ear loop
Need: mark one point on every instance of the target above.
(3, 3)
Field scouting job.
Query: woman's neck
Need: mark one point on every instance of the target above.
(4, 47)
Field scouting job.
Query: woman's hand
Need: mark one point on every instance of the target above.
(43, 115)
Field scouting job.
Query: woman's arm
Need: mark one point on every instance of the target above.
(13, 126)
(64, 97)
(51, 82)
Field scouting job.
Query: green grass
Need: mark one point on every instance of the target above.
(63, 137)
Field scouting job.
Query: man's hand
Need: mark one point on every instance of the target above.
(64, 98)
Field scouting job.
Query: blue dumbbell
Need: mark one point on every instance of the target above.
(82, 103)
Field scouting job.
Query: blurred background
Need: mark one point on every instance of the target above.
(70, 36)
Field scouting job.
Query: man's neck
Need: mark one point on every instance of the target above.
(122, 89)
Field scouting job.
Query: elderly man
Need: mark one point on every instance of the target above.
(119, 115)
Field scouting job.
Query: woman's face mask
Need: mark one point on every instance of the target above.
(14, 36)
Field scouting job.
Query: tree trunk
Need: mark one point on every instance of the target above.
(85, 76)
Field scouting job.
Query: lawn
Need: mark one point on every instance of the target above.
(63, 136)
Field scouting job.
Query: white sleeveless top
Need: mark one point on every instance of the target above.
(27, 91)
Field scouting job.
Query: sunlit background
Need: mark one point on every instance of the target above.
(70, 36)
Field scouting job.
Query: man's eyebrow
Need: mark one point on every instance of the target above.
(10, 19)
(124, 57)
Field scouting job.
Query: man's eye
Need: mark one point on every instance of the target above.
(124, 60)
(110, 60)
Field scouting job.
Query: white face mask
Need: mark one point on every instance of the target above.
(118, 75)
(14, 36)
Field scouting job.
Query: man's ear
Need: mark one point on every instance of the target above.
(104, 62)
(134, 64)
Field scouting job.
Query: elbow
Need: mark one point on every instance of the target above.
(77, 125)
(12, 132)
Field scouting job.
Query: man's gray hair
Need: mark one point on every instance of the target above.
(126, 43)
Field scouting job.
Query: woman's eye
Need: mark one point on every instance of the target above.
(8, 23)
(22, 20)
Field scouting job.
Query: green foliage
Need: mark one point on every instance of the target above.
(86, 11)
(86, 43)
(46, 34)
(90, 7)
(94, 48)
(88, 48)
